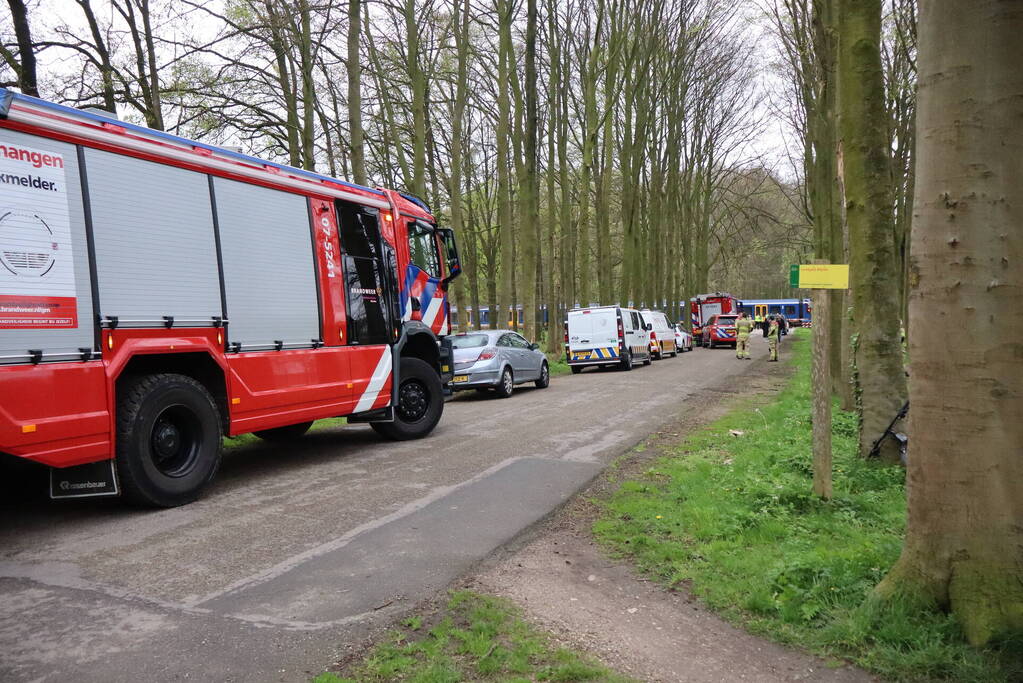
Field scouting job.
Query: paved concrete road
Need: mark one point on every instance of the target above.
(296, 551)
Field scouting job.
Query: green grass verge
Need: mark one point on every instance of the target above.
(559, 367)
(475, 637)
(734, 518)
(250, 439)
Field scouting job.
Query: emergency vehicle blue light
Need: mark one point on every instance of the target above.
(417, 201)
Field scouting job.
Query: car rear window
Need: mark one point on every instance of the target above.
(469, 341)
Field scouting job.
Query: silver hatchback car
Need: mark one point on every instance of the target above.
(498, 360)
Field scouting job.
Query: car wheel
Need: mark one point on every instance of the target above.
(420, 402)
(545, 377)
(284, 434)
(710, 343)
(506, 386)
(649, 359)
(626, 360)
(576, 369)
(168, 439)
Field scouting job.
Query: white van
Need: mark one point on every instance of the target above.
(662, 337)
(606, 335)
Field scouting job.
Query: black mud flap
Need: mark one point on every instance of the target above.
(378, 415)
(84, 481)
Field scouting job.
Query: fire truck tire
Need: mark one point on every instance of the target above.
(420, 403)
(169, 439)
(284, 434)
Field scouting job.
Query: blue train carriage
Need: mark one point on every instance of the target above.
(796, 311)
(480, 320)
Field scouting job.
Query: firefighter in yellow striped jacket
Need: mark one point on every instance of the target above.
(743, 328)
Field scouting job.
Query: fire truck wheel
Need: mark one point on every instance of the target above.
(168, 439)
(420, 403)
(284, 434)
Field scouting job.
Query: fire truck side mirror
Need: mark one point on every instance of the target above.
(454, 263)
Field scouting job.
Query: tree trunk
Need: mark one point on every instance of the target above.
(881, 380)
(964, 541)
(530, 219)
(554, 338)
(26, 49)
(355, 133)
(418, 80)
(505, 62)
(305, 44)
(106, 69)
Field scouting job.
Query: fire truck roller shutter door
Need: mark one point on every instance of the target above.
(52, 219)
(269, 272)
(156, 254)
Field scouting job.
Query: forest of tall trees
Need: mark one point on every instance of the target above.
(584, 151)
(632, 151)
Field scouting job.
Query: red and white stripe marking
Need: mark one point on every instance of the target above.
(378, 392)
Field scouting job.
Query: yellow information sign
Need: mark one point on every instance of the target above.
(820, 276)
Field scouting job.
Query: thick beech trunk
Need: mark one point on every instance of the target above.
(964, 541)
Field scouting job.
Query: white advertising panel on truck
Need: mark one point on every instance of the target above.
(45, 297)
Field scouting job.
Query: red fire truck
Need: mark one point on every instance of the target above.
(158, 293)
(703, 306)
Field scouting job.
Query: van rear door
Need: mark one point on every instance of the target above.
(593, 335)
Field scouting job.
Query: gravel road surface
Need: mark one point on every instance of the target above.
(298, 552)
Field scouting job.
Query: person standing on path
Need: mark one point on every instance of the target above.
(772, 340)
(743, 328)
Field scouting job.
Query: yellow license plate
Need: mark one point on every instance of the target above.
(460, 378)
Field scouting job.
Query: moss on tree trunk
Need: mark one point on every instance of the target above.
(868, 200)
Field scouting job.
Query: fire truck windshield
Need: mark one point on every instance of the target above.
(423, 248)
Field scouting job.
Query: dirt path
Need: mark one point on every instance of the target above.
(569, 586)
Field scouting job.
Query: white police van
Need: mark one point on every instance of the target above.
(606, 335)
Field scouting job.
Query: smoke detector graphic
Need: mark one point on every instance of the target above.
(27, 247)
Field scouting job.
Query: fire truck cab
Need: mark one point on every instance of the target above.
(157, 294)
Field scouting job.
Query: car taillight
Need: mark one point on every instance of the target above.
(566, 332)
(621, 330)
(487, 353)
